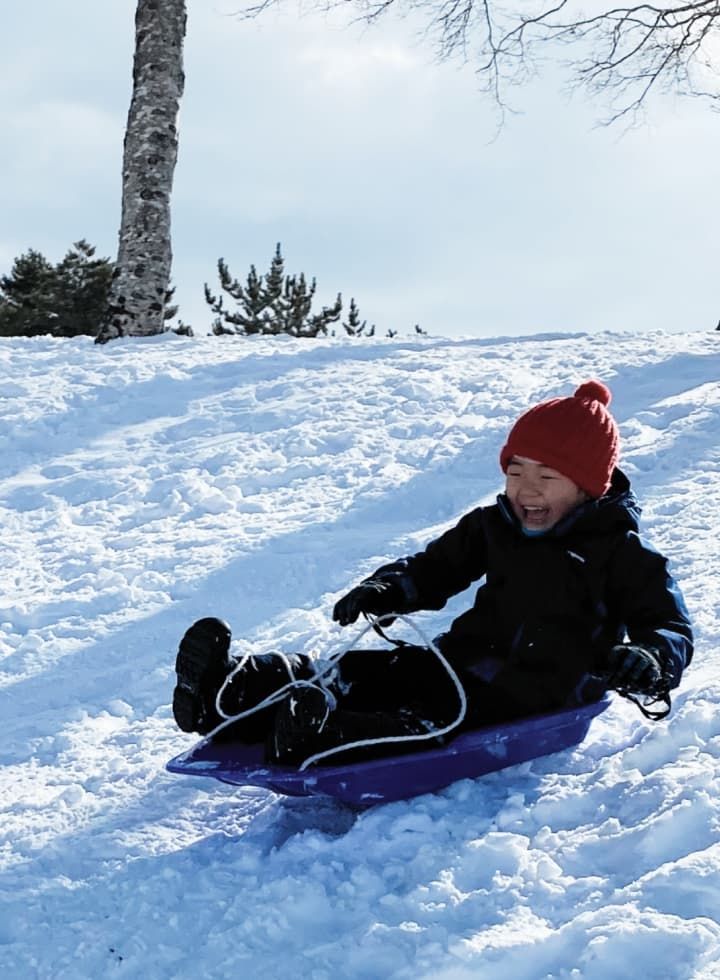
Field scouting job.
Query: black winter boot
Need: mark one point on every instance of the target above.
(202, 664)
(261, 675)
(304, 726)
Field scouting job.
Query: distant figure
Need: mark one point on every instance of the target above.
(573, 603)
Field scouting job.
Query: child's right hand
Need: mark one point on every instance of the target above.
(375, 596)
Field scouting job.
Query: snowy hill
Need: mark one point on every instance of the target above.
(150, 483)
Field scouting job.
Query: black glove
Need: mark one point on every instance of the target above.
(375, 596)
(635, 669)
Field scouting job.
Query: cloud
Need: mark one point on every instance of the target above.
(59, 137)
(357, 68)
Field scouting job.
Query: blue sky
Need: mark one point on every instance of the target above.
(376, 168)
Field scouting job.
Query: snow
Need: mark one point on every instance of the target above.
(149, 483)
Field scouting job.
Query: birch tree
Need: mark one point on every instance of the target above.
(141, 276)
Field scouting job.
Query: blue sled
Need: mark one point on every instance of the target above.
(395, 777)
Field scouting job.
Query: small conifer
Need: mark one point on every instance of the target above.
(270, 304)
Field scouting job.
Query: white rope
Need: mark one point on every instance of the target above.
(321, 680)
(387, 739)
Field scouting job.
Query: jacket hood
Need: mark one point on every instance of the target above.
(618, 508)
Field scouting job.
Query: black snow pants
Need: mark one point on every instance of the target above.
(390, 684)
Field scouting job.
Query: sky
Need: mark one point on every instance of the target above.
(150, 482)
(379, 170)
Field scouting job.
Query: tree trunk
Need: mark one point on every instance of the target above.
(142, 273)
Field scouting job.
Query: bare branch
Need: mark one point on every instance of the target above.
(624, 52)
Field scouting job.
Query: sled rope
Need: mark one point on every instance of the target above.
(317, 681)
(321, 681)
(386, 740)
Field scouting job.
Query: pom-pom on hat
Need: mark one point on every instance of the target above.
(576, 436)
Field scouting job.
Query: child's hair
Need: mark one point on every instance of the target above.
(576, 436)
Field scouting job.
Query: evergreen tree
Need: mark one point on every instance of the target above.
(274, 280)
(26, 303)
(353, 325)
(270, 304)
(82, 283)
(251, 299)
(64, 300)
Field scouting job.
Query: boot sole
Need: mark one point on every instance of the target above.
(197, 659)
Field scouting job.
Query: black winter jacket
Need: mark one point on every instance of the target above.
(551, 607)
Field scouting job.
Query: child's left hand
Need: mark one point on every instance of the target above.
(634, 668)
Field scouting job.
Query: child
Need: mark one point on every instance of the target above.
(573, 603)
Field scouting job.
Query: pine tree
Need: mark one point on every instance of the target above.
(64, 300)
(320, 321)
(271, 304)
(353, 326)
(26, 304)
(251, 298)
(82, 283)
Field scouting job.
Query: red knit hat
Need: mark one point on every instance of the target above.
(576, 436)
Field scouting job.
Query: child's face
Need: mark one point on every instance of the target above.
(539, 495)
